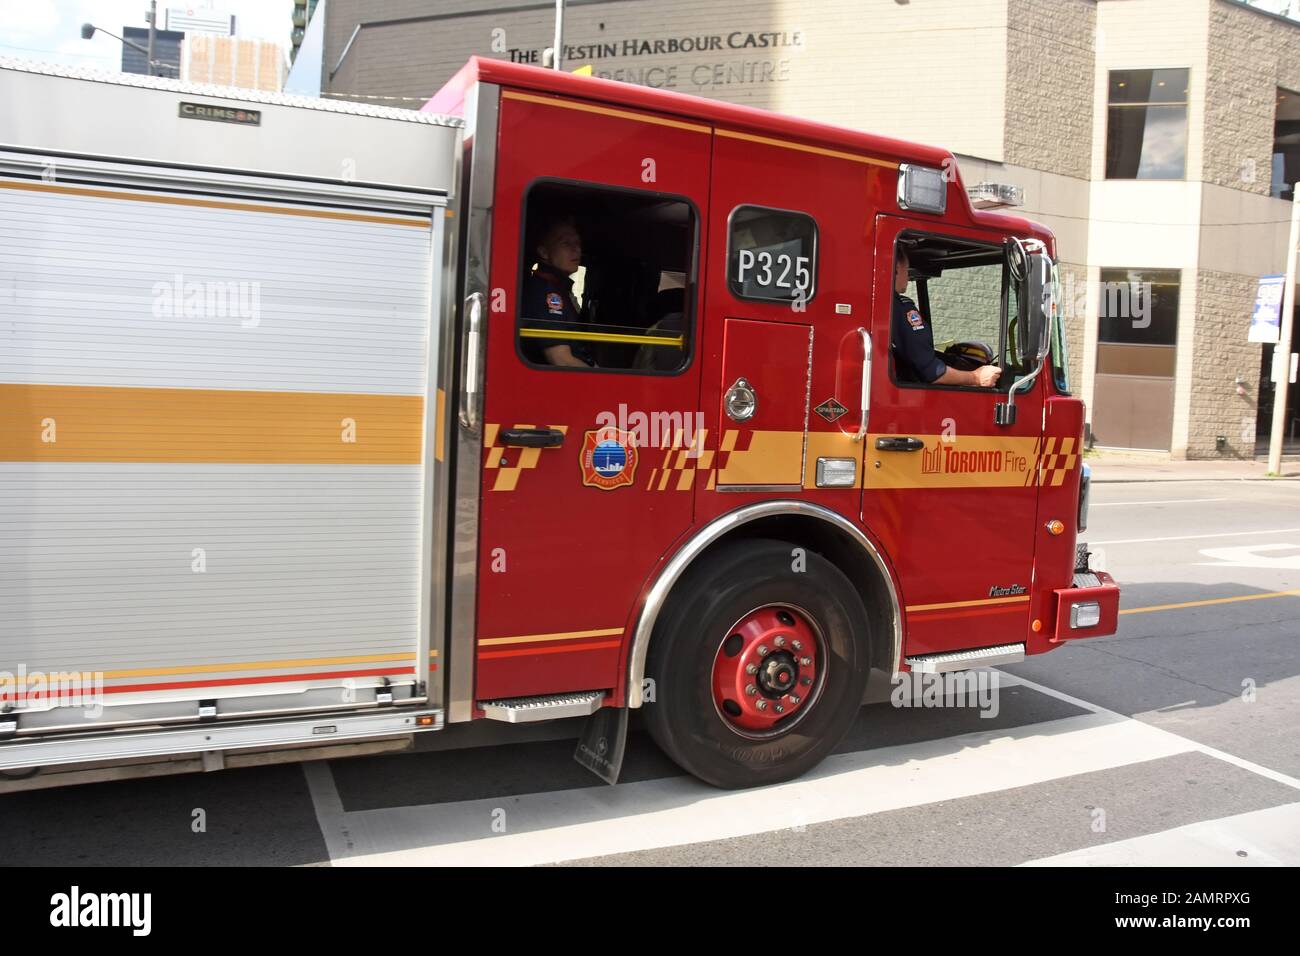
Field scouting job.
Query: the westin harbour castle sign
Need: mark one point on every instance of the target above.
(716, 60)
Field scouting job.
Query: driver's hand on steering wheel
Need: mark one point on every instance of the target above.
(986, 376)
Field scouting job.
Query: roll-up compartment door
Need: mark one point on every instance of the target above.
(212, 448)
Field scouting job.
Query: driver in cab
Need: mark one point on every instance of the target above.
(913, 342)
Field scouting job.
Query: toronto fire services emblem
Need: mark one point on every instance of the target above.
(608, 458)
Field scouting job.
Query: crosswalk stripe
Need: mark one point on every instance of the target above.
(1260, 838)
(597, 821)
(1191, 744)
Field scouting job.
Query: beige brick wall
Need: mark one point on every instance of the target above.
(1075, 314)
(1250, 55)
(1224, 303)
(1051, 60)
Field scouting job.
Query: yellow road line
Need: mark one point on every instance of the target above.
(1227, 600)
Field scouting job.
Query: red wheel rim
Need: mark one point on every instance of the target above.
(767, 670)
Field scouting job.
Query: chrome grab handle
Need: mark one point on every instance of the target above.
(469, 411)
(866, 383)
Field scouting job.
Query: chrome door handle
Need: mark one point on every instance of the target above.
(473, 337)
(894, 443)
(866, 383)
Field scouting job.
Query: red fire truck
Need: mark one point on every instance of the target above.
(629, 425)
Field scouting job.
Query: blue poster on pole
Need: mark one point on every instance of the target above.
(1266, 320)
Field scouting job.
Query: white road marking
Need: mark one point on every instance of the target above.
(330, 815)
(1268, 838)
(1166, 501)
(1248, 556)
(1193, 537)
(596, 821)
(1192, 745)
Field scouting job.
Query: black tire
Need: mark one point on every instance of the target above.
(704, 606)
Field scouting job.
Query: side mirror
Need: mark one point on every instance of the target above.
(1033, 272)
(1035, 305)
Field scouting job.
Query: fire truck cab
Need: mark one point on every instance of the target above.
(561, 397)
(741, 500)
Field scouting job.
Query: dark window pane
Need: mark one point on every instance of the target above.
(1138, 307)
(1146, 135)
(1286, 144)
(607, 279)
(1146, 142)
(1148, 86)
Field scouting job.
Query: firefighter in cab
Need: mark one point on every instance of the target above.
(548, 296)
(913, 342)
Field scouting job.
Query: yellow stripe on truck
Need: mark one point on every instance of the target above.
(309, 212)
(116, 424)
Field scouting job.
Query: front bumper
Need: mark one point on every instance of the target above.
(1088, 609)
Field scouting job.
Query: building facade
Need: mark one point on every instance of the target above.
(1157, 138)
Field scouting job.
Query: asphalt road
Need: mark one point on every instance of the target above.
(1173, 742)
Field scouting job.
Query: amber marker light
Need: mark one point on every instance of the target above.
(1056, 526)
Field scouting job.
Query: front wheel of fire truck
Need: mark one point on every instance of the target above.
(759, 661)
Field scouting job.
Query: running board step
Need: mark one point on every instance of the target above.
(965, 660)
(520, 710)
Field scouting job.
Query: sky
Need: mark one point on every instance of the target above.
(50, 30)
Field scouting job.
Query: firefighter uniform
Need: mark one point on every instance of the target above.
(913, 343)
(548, 297)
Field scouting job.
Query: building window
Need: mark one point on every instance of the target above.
(771, 254)
(1286, 144)
(1133, 392)
(607, 279)
(1139, 308)
(1146, 132)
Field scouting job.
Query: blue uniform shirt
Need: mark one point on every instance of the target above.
(548, 297)
(913, 343)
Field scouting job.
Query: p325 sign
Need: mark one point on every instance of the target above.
(772, 254)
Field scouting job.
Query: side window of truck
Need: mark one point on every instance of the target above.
(771, 254)
(607, 279)
(964, 294)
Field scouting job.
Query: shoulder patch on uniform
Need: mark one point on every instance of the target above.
(554, 302)
(914, 320)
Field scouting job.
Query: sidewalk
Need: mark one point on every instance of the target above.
(1116, 466)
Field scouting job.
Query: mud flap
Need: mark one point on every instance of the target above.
(604, 738)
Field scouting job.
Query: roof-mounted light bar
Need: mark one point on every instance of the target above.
(922, 188)
(995, 195)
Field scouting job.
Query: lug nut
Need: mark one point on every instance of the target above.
(805, 681)
(806, 661)
(780, 641)
(795, 700)
(780, 709)
(751, 668)
(762, 650)
(761, 705)
(797, 645)
(751, 690)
